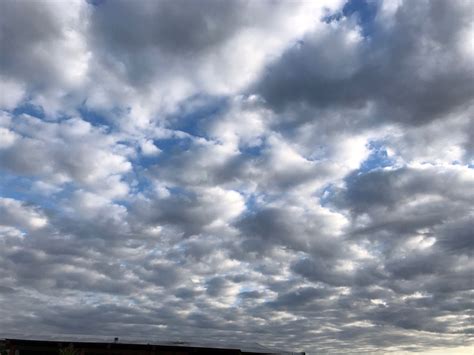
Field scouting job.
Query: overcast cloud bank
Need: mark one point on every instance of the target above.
(294, 173)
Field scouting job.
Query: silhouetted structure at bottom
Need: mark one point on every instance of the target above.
(58, 347)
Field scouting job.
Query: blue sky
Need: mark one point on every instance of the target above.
(297, 174)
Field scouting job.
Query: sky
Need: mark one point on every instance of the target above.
(293, 173)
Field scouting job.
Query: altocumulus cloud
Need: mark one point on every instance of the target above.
(294, 173)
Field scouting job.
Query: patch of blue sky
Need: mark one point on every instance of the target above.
(377, 159)
(25, 189)
(173, 145)
(145, 161)
(364, 11)
(462, 163)
(107, 119)
(253, 151)
(325, 195)
(95, 118)
(251, 204)
(13, 186)
(194, 115)
(139, 181)
(145, 166)
(29, 109)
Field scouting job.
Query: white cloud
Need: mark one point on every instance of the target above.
(12, 93)
(69, 151)
(148, 148)
(17, 214)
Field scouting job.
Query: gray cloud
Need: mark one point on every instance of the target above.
(403, 68)
(242, 171)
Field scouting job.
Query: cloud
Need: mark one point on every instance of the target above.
(396, 74)
(17, 214)
(294, 174)
(61, 152)
(102, 54)
(193, 211)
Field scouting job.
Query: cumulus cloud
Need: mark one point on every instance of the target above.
(403, 67)
(17, 214)
(294, 174)
(60, 152)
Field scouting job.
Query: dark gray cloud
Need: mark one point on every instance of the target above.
(33, 35)
(402, 68)
(456, 237)
(388, 189)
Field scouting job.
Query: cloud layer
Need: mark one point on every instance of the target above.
(295, 174)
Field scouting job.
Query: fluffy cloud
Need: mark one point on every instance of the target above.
(294, 174)
(61, 152)
(16, 214)
(402, 68)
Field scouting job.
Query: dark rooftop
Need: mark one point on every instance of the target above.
(49, 345)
